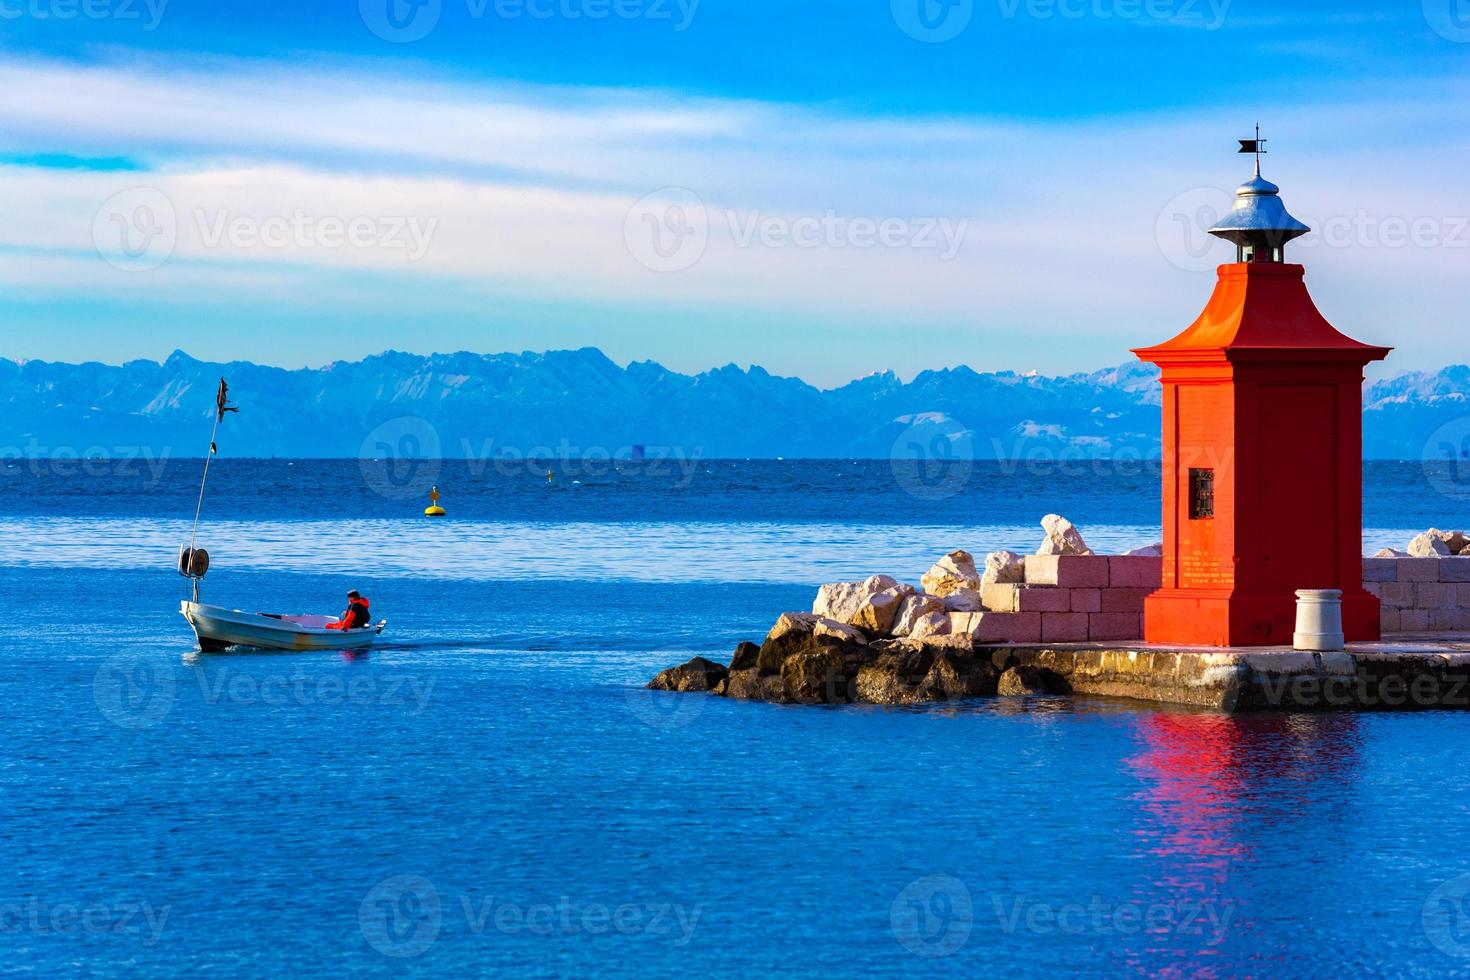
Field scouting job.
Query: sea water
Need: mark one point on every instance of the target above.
(491, 791)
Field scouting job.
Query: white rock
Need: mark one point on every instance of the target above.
(1062, 537)
(914, 608)
(1155, 550)
(1392, 553)
(876, 615)
(842, 600)
(1003, 567)
(1466, 552)
(930, 624)
(1430, 544)
(953, 572)
(965, 600)
(839, 631)
(792, 622)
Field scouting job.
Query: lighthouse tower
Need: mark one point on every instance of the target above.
(1262, 448)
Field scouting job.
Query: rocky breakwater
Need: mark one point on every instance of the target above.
(958, 634)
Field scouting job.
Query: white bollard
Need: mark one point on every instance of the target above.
(1319, 620)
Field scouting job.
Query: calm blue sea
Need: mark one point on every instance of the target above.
(491, 792)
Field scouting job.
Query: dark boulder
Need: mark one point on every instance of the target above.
(882, 682)
(746, 657)
(805, 633)
(958, 675)
(698, 674)
(752, 685)
(816, 677)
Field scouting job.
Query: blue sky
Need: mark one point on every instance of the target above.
(826, 188)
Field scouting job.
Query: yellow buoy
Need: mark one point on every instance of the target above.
(548, 476)
(434, 510)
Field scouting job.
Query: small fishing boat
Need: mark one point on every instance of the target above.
(218, 628)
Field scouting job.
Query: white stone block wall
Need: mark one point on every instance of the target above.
(1420, 594)
(1099, 598)
(1068, 599)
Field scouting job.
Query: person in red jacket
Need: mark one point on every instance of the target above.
(356, 616)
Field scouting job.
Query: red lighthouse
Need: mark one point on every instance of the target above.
(1262, 448)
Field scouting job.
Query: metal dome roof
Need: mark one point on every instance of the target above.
(1258, 216)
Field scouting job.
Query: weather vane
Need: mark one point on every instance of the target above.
(1256, 146)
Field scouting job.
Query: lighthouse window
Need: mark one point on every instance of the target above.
(1201, 494)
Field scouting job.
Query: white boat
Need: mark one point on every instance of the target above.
(218, 628)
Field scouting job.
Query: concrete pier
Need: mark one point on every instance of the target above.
(1403, 672)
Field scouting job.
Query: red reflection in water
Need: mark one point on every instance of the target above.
(1205, 780)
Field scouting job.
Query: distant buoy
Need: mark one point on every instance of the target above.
(434, 510)
(548, 476)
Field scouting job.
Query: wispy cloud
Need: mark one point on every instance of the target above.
(1063, 228)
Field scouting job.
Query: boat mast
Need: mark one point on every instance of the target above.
(222, 405)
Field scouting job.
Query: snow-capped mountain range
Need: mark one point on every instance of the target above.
(570, 403)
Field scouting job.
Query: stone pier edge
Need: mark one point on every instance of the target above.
(1390, 676)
